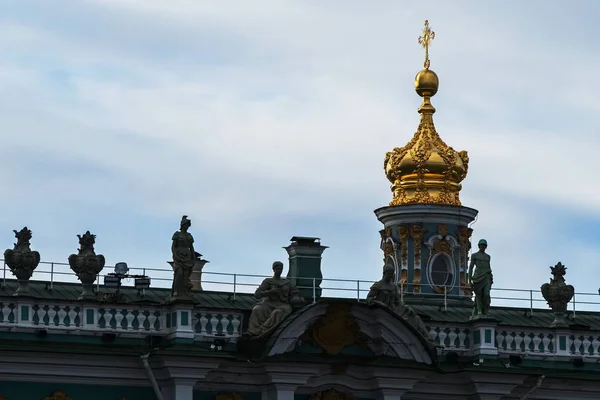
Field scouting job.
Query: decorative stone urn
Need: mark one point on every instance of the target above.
(87, 264)
(558, 294)
(196, 276)
(21, 260)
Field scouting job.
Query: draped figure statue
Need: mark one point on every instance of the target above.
(278, 295)
(387, 293)
(184, 259)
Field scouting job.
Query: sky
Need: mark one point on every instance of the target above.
(267, 119)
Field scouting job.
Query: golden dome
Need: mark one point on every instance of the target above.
(426, 170)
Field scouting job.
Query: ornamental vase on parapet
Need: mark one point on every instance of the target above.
(87, 264)
(558, 294)
(21, 260)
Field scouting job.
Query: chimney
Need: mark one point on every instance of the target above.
(305, 265)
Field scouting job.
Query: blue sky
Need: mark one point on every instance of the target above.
(268, 119)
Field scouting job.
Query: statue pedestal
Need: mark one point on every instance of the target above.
(559, 320)
(483, 332)
(23, 288)
(179, 299)
(88, 292)
(180, 320)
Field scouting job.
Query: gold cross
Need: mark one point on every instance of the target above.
(425, 41)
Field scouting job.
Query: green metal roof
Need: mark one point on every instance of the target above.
(67, 291)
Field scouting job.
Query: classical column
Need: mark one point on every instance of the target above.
(279, 392)
(183, 375)
(284, 380)
(494, 386)
(392, 386)
(179, 389)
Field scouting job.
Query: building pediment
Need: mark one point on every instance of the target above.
(337, 326)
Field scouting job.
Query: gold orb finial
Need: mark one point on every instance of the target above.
(426, 81)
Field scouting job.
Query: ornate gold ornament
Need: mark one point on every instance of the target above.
(387, 245)
(425, 41)
(416, 233)
(443, 230)
(58, 395)
(229, 396)
(388, 249)
(403, 236)
(441, 246)
(331, 394)
(336, 329)
(426, 170)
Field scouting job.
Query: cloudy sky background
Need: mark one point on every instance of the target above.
(267, 119)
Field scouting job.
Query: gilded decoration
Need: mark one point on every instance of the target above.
(464, 236)
(426, 170)
(58, 395)
(229, 396)
(416, 233)
(336, 329)
(330, 394)
(403, 236)
(441, 246)
(388, 249)
(443, 230)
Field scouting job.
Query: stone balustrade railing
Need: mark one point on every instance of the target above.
(125, 319)
(517, 341)
(192, 322)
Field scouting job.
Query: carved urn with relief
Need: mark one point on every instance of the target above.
(87, 264)
(21, 260)
(558, 294)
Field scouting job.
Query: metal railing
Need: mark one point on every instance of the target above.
(530, 299)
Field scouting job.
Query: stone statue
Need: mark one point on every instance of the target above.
(278, 296)
(386, 293)
(87, 264)
(21, 260)
(184, 260)
(558, 294)
(481, 281)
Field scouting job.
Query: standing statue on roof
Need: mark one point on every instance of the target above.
(184, 259)
(481, 281)
(386, 293)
